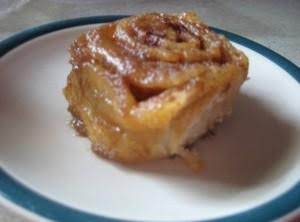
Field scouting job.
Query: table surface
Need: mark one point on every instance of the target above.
(273, 23)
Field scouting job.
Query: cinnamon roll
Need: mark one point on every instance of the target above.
(145, 87)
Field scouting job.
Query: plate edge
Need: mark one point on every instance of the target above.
(292, 69)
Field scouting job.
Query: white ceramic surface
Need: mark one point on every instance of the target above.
(254, 157)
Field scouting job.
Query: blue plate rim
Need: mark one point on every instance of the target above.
(17, 193)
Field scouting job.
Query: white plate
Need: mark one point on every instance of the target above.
(252, 165)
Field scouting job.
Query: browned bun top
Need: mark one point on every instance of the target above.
(155, 51)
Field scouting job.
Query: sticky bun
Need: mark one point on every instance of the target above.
(144, 87)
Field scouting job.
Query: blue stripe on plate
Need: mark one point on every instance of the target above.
(23, 196)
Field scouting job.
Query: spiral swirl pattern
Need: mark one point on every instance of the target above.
(156, 51)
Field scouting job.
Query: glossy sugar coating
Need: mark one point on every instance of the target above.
(138, 85)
